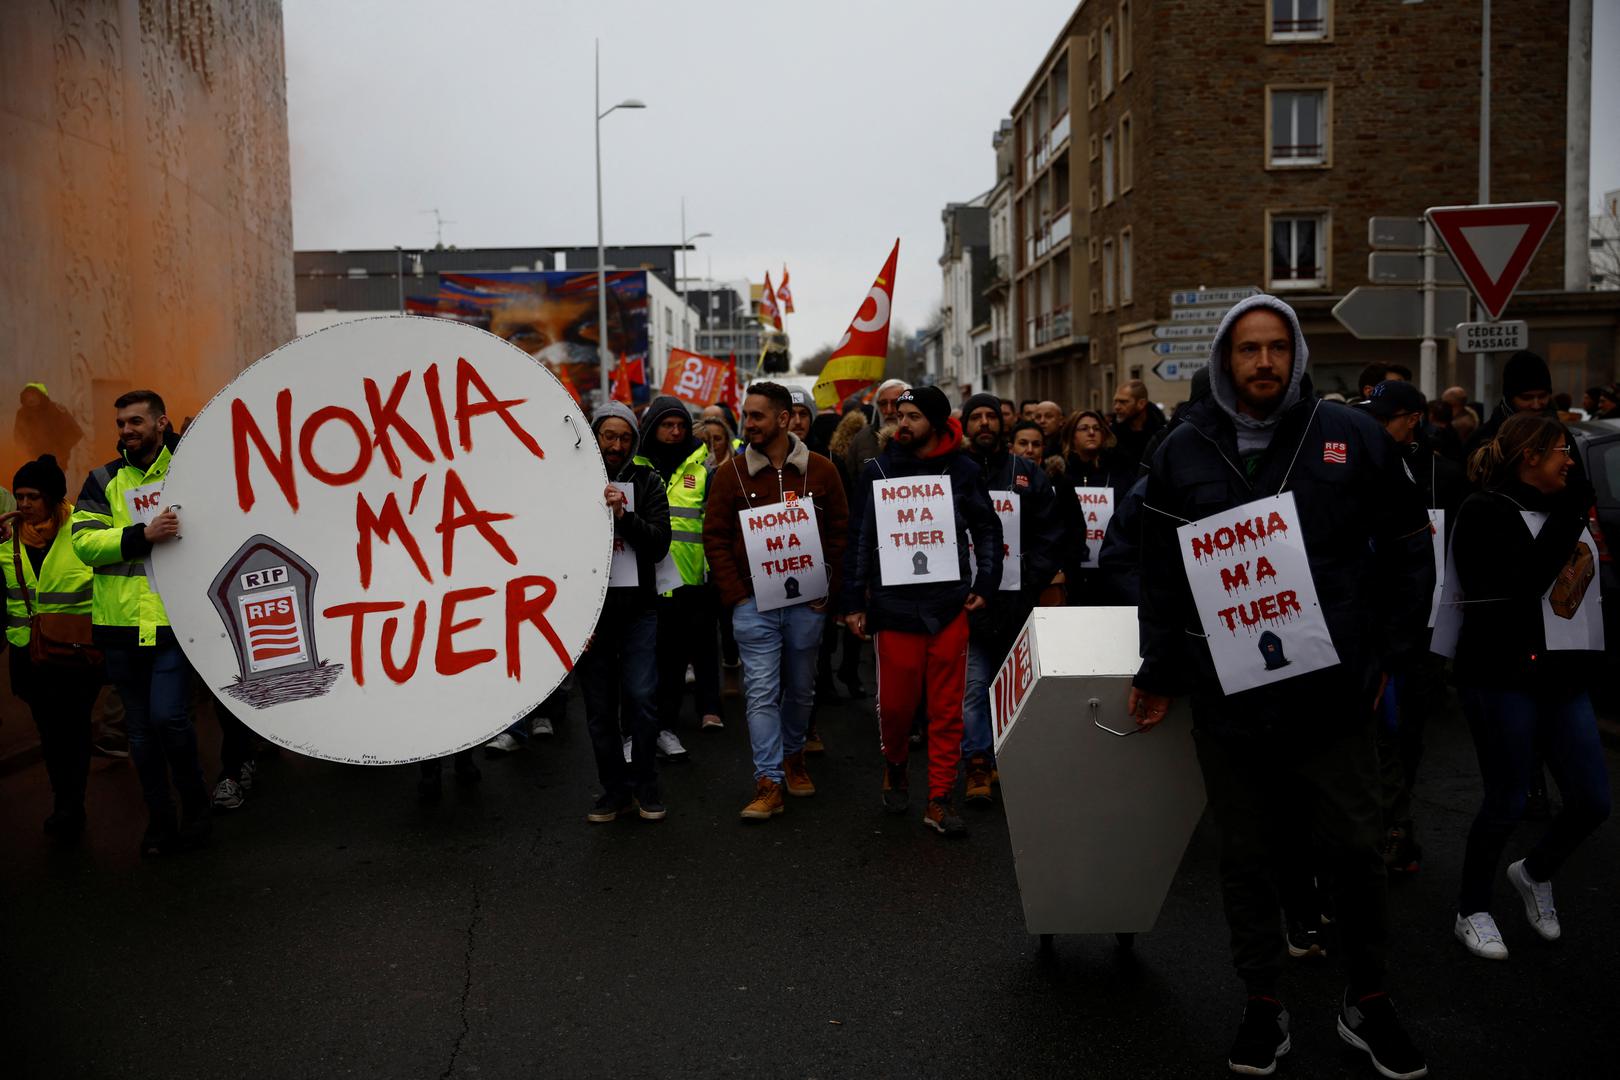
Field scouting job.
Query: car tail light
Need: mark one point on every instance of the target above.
(1597, 536)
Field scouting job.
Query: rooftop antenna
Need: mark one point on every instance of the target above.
(439, 223)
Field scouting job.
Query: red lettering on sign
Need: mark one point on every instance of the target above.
(467, 376)
(402, 672)
(306, 443)
(385, 417)
(369, 523)
(441, 426)
(456, 498)
(280, 464)
(446, 660)
(522, 608)
(357, 630)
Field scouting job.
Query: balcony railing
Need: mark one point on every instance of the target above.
(1055, 325)
(1053, 232)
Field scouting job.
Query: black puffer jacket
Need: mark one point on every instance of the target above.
(925, 608)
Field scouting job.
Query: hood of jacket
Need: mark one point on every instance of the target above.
(623, 412)
(1220, 377)
(666, 457)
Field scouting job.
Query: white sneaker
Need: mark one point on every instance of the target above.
(691, 676)
(1479, 935)
(1538, 901)
(504, 743)
(669, 745)
(627, 751)
(227, 794)
(540, 725)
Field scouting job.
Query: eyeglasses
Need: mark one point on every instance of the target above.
(1088, 429)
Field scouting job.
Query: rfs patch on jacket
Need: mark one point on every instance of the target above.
(689, 481)
(1335, 453)
(1021, 481)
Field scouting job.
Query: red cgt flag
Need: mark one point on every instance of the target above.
(784, 294)
(694, 378)
(728, 389)
(627, 372)
(860, 355)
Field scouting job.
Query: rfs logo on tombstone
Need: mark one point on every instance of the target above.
(264, 595)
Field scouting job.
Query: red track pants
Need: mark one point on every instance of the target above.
(916, 667)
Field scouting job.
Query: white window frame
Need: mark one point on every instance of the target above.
(1110, 161)
(1291, 34)
(1125, 152)
(1324, 250)
(1124, 37)
(1324, 119)
(1110, 276)
(1106, 48)
(1127, 257)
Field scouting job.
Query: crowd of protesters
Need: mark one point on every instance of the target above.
(1310, 779)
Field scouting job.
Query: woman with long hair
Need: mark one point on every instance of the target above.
(44, 577)
(1088, 461)
(1518, 540)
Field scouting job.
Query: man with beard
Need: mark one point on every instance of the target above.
(1294, 752)
(803, 415)
(922, 627)
(1026, 500)
(131, 626)
(778, 645)
(868, 442)
(688, 616)
(620, 657)
(1136, 421)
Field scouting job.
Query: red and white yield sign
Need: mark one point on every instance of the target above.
(1493, 245)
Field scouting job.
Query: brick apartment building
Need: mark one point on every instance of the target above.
(1163, 145)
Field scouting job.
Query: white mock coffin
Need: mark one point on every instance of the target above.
(1099, 821)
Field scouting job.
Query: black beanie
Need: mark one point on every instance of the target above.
(982, 401)
(931, 402)
(1524, 372)
(44, 476)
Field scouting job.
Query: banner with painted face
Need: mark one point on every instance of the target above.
(1256, 599)
(394, 540)
(783, 544)
(916, 530)
(1097, 510)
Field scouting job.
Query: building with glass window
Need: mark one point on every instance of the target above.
(1162, 147)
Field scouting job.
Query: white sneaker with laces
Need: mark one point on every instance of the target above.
(669, 745)
(541, 725)
(627, 751)
(227, 794)
(503, 743)
(1538, 901)
(1479, 935)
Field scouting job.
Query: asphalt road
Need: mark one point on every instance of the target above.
(336, 928)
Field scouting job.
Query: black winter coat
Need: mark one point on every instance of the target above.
(929, 607)
(646, 530)
(1046, 535)
(1367, 538)
(1504, 573)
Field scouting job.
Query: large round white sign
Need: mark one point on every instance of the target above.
(393, 540)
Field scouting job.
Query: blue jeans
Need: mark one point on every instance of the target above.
(622, 658)
(982, 664)
(1508, 728)
(778, 650)
(155, 685)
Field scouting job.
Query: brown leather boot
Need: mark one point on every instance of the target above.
(767, 800)
(796, 775)
(978, 778)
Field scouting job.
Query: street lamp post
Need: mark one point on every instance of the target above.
(686, 312)
(603, 353)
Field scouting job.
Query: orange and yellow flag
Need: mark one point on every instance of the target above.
(769, 313)
(861, 353)
(784, 294)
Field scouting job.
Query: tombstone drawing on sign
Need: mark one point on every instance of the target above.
(265, 596)
(919, 563)
(1271, 651)
(791, 587)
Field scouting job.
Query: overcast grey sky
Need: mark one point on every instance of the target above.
(805, 133)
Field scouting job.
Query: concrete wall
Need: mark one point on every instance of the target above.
(145, 204)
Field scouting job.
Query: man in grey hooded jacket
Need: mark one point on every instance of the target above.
(1297, 749)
